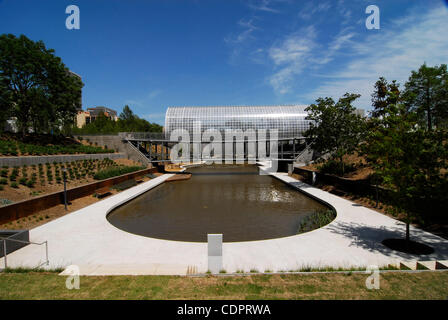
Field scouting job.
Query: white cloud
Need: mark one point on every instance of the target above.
(155, 117)
(248, 28)
(301, 51)
(392, 52)
(154, 93)
(291, 57)
(311, 8)
(262, 5)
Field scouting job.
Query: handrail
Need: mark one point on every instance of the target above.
(139, 152)
(28, 242)
(162, 136)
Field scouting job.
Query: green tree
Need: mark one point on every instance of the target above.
(427, 94)
(384, 95)
(409, 160)
(127, 122)
(127, 114)
(5, 104)
(335, 128)
(43, 92)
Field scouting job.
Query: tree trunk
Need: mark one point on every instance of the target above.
(376, 191)
(428, 108)
(407, 235)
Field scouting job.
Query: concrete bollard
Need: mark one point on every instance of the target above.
(214, 252)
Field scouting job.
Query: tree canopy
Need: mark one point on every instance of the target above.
(336, 128)
(127, 122)
(427, 94)
(407, 158)
(36, 87)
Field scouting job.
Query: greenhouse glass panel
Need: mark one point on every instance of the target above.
(289, 120)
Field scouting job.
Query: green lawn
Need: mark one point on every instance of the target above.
(426, 285)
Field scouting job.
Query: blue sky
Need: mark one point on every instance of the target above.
(153, 54)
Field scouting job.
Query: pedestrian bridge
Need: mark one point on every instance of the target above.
(157, 146)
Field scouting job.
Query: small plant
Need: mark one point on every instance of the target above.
(3, 181)
(222, 271)
(14, 185)
(22, 181)
(253, 271)
(316, 220)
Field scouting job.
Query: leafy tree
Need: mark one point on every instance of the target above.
(127, 114)
(384, 95)
(42, 91)
(5, 104)
(127, 122)
(427, 94)
(409, 160)
(335, 129)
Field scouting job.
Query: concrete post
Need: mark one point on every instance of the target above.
(214, 252)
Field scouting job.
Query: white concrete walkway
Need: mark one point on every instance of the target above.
(87, 239)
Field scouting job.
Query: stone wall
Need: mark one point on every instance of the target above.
(118, 144)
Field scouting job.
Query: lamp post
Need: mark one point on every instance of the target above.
(64, 173)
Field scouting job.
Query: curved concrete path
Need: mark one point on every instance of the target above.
(85, 238)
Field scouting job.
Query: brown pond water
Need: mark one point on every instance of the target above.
(233, 200)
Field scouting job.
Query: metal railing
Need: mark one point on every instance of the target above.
(28, 242)
(164, 137)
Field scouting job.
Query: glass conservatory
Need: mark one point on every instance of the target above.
(290, 121)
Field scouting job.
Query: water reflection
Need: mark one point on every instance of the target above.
(233, 200)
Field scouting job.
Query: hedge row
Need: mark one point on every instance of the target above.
(118, 171)
(9, 148)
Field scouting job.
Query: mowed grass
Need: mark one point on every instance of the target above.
(426, 285)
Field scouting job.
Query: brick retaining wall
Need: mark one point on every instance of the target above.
(25, 208)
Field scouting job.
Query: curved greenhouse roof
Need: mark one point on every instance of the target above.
(289, 120)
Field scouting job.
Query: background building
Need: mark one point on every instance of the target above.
(91, 114)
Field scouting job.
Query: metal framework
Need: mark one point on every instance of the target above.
(290, 121)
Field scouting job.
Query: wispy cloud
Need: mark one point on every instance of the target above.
(392, 52)
(302, 51)
(145, 100)
(311, 8)
(247, 27)
(290, 57)
(263, 5)
(155, 117)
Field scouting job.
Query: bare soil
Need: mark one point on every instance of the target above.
(55, 212)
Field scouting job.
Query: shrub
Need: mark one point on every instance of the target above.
(22, 181)
(113, 172)
(4, 173)
(125, 185)
(3, 181)
(336, 167)
(316, 220)
(1, 187)
(30, 183)
(14, 185)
